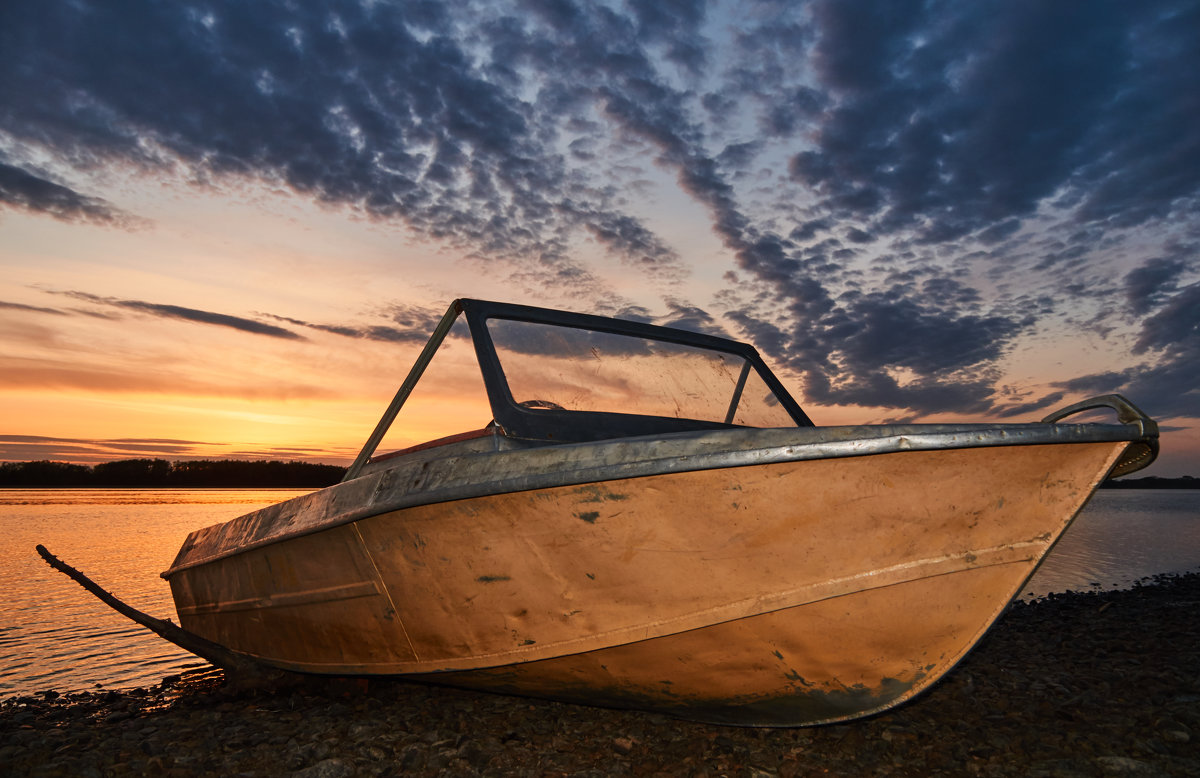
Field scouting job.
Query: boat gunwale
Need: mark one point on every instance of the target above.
(402, 485)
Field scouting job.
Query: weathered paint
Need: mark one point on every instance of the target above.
(597, 493)
(853, 667)
(872, 575)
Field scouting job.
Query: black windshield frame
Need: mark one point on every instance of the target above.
(580, 426)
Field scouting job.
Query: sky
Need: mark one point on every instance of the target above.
(227, 228)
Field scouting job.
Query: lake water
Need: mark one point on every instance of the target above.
(54, 635)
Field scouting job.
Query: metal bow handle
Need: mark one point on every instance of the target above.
(1141, 451)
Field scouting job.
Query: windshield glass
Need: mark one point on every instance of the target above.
(558, 367)
(450, 397)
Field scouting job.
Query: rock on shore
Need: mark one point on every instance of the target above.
(1092, 684)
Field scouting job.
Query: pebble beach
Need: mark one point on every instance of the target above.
(1103, 683)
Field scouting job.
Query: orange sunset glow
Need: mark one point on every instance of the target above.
(212, 249)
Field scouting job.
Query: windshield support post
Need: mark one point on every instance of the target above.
(414, 375)
(737, 392)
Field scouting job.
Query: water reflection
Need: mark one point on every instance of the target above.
(55, 635)
(1121, 537)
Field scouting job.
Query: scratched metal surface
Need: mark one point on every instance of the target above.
(544, 578)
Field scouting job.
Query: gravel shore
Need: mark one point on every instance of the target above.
(1091, 684)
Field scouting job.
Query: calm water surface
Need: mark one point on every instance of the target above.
(1122, 536)
(54, 635)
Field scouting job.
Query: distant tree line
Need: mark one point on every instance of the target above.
(1153, 482)
(232, 473)
(149, 473)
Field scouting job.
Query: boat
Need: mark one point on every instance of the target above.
(650, 521)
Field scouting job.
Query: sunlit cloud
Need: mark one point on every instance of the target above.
(22, 308)
(32, 448)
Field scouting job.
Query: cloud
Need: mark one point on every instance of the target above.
(957, 126)
(684, 316)
(76, 373)
(1149, 285)
(948, 119)
(415, 325)
(889, 349)
(378, 332)
(1167, 382)
(384, 108)
(22, 190)
(30, 308)
(903, 190)
(1176, 326)
(168, 311)
(208, 317)
(32, 448)
(849, 340)
(141, 445)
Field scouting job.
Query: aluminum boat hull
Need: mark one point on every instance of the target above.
(756, 577)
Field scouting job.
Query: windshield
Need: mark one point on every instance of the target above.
(550, 367)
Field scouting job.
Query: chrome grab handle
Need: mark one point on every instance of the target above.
(1140, 452)
(1127, 412)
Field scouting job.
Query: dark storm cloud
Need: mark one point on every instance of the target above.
(626, 236)
(1149, 285)
(1175, 328)
(938, 123)
(880, 329)
(684, 316)
(857, 344)
(950, 118)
